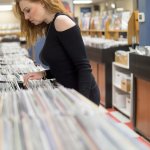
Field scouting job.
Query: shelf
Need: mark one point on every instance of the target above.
(109, 34)
(117, 90)
(117, 31)
(117, 86)
(84, 30)
(92, 30)
(123, 110)
(10, 33)
(121, 65)
(121, 89)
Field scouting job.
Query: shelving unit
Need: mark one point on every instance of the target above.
(108, 34)
(93, 32)
(10, 29)
(122, 84)
(10, 33)
(132, 33)
(101, 64)
(113, 34)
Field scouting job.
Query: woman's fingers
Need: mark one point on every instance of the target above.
(26, 78)
(32, 76)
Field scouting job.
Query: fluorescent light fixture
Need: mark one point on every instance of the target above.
(82, 1)
(113, 5)
(120, 9)
(5, 7)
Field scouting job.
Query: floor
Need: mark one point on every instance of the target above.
(125, 124)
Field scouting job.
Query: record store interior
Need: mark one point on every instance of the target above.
(74, 75)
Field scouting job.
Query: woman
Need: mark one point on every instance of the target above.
(63, 51)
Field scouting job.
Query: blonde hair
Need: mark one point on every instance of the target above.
(31, 31)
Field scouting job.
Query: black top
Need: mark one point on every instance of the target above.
(65, 54)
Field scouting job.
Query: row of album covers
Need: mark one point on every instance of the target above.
(48, 116)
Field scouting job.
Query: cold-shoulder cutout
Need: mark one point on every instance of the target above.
(63, 22)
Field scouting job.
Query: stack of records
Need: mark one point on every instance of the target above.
(14, 63)
(44, 117)
(59, 118)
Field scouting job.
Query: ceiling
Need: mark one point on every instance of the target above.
(94, 1)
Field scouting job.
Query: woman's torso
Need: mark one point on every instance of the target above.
(56, 58)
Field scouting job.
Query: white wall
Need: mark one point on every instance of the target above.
(7, 17)
(126, 4)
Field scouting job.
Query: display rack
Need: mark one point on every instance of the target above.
(101, 63)
(10, 33)
(10, 29)
(122, 88)
(132, 33)
(112, 34)
(107, 33)
(93, 33)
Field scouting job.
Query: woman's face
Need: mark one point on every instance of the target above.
(33, 11)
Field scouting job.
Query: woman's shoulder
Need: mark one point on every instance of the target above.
(63, 22)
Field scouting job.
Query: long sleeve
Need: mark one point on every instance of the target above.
(49, 74)
(73, 45)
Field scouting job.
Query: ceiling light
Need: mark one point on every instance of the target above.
(120, 9)
(5, 7)
(82, 1)
(113, 5)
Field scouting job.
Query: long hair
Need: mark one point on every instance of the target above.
(31, 31)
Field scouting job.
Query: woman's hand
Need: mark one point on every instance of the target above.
(33, 76)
